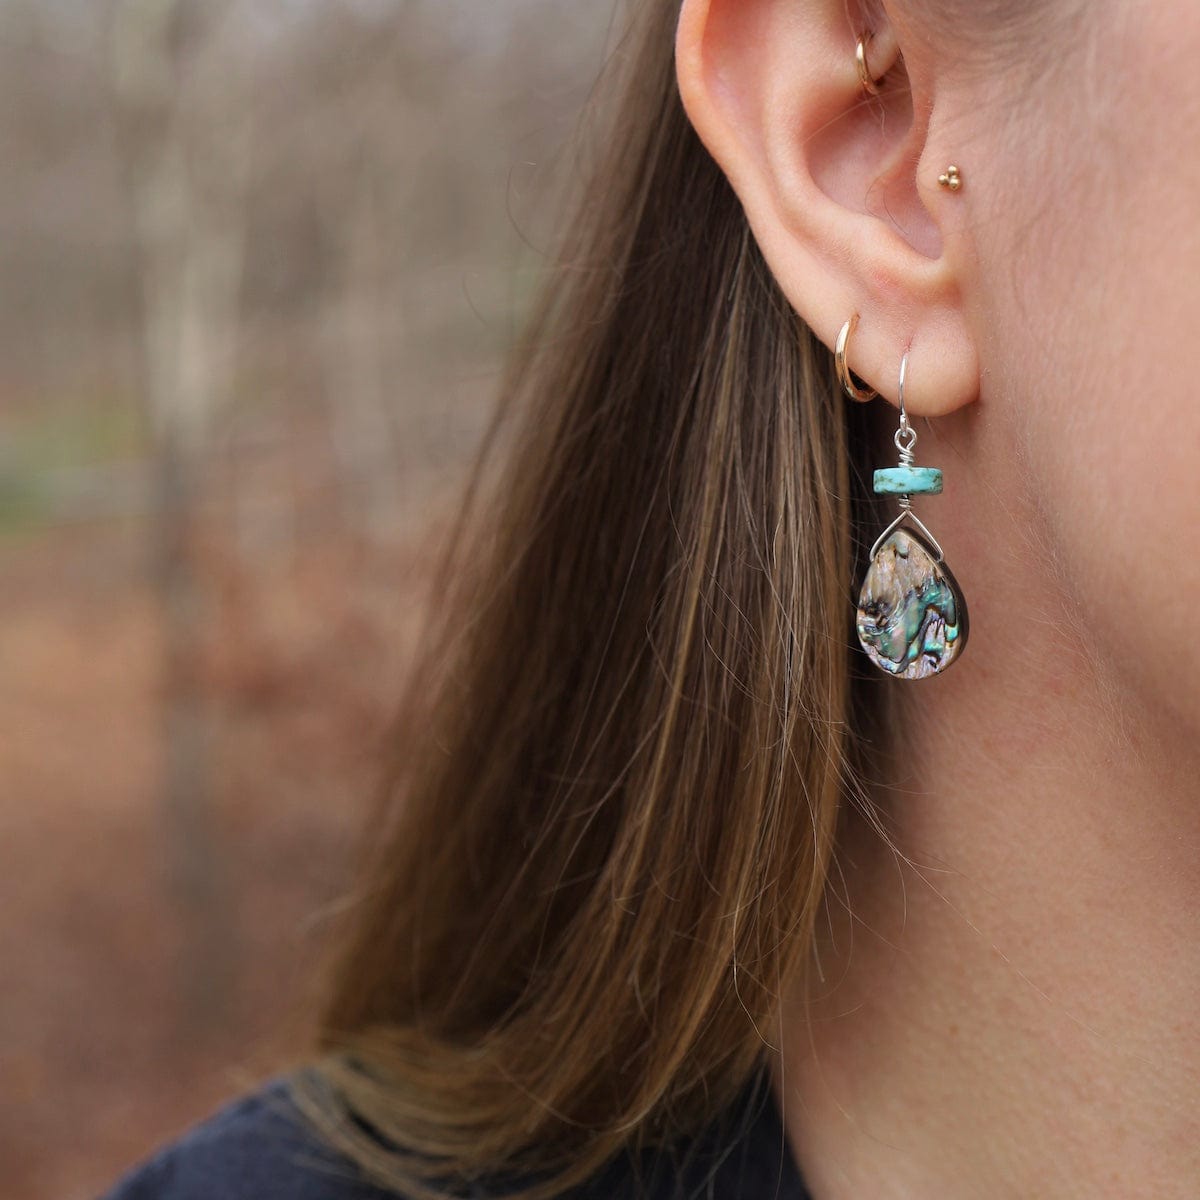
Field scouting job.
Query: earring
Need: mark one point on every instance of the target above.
(843, 370)
(865, 78)
(912, 618)
(951, 178)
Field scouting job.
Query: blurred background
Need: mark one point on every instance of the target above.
(261, 261)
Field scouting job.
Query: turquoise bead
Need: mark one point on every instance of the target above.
(908, 481)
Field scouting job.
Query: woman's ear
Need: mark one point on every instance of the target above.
(839, 187)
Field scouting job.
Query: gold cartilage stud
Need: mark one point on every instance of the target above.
(951, 179)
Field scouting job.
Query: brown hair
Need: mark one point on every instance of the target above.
(605, 841)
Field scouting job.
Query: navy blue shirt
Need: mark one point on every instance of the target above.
(259, 1148)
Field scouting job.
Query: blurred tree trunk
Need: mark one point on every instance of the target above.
(352, 353)
(185, 149)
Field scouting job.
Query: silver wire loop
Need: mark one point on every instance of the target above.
(905, 430)
(905, 438)
(912, 516)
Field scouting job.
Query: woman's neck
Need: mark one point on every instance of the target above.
(1012, 1012)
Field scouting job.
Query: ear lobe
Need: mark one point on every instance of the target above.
(838, 186)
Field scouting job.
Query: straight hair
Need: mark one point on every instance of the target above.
(605, 836)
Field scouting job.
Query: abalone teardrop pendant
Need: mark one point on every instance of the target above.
(912, 619)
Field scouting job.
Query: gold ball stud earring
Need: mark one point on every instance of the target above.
(951, 178)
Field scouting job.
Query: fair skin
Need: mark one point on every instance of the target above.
(1009, 999)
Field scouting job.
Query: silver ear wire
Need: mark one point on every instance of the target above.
(905, 438)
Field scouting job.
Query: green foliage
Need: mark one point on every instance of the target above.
(55, 458)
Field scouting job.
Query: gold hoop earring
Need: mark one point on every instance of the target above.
(843, 371)
(864, 71)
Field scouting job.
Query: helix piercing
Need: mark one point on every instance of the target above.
(864, 71)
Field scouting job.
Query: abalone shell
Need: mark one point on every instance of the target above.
(912, 620)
